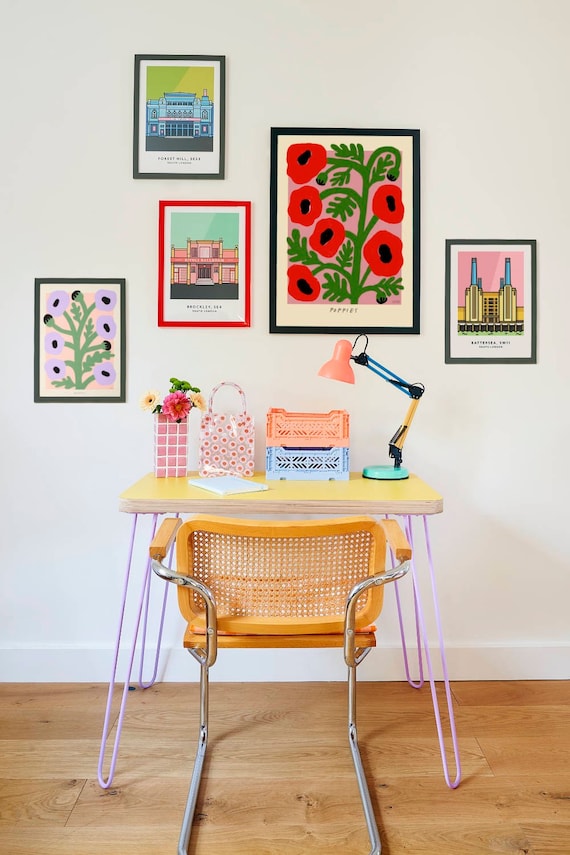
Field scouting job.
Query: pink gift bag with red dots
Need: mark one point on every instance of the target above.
(227, 440)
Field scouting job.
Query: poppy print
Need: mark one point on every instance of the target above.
(383, 252)
(387, 204)
(305, 206)
(79, 340)
(305, 161)
(345, 220)
(327, 237)
(303, 286)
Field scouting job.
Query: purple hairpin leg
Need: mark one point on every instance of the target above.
(142, 683)
(142, 608)
(421, 632)
(416, 684)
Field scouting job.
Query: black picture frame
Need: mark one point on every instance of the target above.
(490, 301)
(344, 231)
(79, 341)
(179, 116)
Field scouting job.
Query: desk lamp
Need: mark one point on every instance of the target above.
(339, 368)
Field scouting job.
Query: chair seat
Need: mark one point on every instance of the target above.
(254, 624)
(195, 640)
(194, 637)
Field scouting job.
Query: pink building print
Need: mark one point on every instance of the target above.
(204, 262)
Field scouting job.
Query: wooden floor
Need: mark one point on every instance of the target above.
(279, 778)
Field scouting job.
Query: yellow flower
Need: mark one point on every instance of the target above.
(198, 400)
(149, 400)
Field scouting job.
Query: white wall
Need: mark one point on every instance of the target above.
(486, 83)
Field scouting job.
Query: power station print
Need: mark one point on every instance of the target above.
(491, 306)
(490, 301)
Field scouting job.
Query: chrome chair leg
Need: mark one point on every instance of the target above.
(205, 657)
(373, 832)
(353, 656)
(190, 809)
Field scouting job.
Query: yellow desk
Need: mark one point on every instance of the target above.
(358, 495)
(408, 499)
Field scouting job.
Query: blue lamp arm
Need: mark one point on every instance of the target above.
(412, 390)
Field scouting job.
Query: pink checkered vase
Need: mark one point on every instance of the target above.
(170, 447)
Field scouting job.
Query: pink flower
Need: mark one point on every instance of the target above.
(176, 406)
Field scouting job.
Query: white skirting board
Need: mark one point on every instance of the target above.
(58, 664)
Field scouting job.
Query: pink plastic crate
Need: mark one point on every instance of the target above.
(307, 430)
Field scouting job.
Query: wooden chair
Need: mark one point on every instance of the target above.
(250, 584)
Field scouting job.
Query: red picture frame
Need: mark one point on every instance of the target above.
(204, 253)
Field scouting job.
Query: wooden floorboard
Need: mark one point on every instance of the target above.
(279, 778)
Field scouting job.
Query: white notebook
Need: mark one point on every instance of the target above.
(225, 485)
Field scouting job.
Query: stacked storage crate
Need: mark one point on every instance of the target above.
(307, 446)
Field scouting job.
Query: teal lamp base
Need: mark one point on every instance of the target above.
(385, 473)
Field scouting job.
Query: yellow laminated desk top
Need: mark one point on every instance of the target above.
(358, 495)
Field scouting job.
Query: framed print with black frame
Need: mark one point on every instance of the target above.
(79, 341)
(490, 301)
(179, 116)
(204, 264)
(344, 231)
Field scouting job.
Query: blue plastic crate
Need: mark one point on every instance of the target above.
(307, 464)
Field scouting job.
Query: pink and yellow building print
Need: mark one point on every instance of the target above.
(204, 262)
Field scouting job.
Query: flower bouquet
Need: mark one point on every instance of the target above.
(171, 425)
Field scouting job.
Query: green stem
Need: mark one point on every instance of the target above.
(75, 365)
(86, 312)
(372, 222)
(365, 228)
(348, 191)
(361, 232)
(95, 347)
(80, 383)
(346, 164)
(387, 150)
(337, 267)
(54, 326)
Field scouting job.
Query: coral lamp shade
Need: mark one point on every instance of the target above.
(339, 367)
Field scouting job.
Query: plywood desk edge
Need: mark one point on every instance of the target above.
(172, 495)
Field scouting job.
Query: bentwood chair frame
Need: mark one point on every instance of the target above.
(223, 564)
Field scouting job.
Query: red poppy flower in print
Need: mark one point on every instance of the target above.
(303, 286)
(383, 252)
(387, 204)
(305, 161)
(305, 206)
(327, 237)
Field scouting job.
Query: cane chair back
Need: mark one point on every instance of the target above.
(279, 578)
